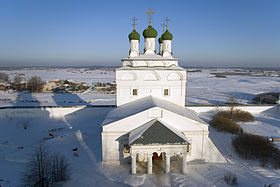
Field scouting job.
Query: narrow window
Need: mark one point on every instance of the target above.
(166, 92)
(126, 149)
(134, 92)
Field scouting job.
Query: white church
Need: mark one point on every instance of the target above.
(151, 121)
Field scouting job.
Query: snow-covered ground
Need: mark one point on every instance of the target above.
(81, 127)
(87, 75)
(202, 86)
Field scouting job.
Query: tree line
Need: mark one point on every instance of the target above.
(18, 83)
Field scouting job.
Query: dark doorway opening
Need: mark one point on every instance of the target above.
(156, 156)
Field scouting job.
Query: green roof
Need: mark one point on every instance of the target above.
(134, 35)
(160, 40)
(167, 35)
(150, 32)
(157, 133)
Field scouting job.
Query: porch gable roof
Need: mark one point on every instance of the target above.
(156, 132)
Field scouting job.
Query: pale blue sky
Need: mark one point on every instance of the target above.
(86, 32)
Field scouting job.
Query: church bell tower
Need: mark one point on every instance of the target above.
(151, 74)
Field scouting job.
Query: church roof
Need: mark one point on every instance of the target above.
(146, 103)
(134, 35)
(150, 32)
(167, 35)
(150, 57)
(160, 39)
(156, 132)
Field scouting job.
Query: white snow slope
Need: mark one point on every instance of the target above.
(80, 127)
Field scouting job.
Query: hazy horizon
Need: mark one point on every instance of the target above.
(119, 65)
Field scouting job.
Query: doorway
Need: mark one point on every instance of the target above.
(156, 156)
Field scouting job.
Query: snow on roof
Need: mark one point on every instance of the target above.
(164, 135)
(150, 57)
(70, 80)
(151, 68)
(52, 84)
(146, 103)
(5, 84)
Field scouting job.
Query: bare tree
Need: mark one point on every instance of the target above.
(35, 84)
(45, 169)
(232, 103)
(17, 79)
(17, 83)
(4, 77)
(60, 168)
(37, 172)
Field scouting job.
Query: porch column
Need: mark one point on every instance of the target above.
(150, 163)
(133, 164)
(184, 163)
(167, 163)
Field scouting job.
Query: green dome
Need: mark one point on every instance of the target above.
(167, 35)
(150, 32)
(134, 35)
(160, 40)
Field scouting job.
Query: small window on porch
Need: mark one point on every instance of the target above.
(126, 148)
(188, 148)
(134, 92)
(166, 92)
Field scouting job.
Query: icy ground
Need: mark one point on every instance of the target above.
(202, 87)
(81, 128)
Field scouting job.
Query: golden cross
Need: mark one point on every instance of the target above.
(166, 21)
(150, 15)
(163, 25)
(134, 20)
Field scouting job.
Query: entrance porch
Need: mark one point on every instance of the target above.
(159, 159)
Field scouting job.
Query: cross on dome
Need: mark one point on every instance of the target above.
(134, 20)
(163, 26)
(150, 12)
(166, 21)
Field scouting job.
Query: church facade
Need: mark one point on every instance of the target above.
(151, 120)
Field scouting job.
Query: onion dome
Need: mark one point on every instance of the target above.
(150, 32)
(134, 35)
(167, 35)
(160, 40)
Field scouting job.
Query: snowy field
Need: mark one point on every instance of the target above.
(87, 75)
(203, 87)
(80, 127)
(22, 129)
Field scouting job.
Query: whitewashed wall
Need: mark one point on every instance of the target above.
(151, 82)
(201, 145)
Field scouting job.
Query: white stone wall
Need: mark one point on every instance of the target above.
(112, 147)
(197, 133)
(166, 48)
(150, 45)
(160, 48)
(151, 82)
(134, 48)
(149, 63)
